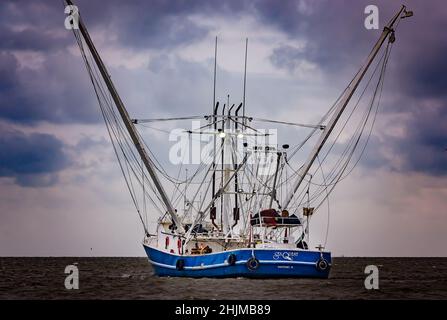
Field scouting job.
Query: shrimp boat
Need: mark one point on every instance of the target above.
(246, 206)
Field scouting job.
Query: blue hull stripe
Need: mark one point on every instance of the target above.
(226, 264)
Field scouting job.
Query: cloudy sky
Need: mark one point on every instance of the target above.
(61, 191)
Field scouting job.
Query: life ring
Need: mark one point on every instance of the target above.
(231, 259)
(180, 264)
(322, 264)
(252, 264)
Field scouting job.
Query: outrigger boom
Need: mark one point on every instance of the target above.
(342, 105)
(128, 123)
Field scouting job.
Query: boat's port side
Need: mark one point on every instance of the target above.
(244, 262)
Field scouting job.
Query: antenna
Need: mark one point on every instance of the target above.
(229, 111)
(215, 67)
(245, 79)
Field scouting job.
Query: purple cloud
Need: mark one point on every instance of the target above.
(33, 160)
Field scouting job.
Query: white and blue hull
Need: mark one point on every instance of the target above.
(244, 262)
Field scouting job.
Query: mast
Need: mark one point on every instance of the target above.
(215, 108)
(235, 165)
(227, 168)
(245, 81)
(128, 123)
(215, 69)
(342, 105)
(273, 193)
(222, 157)
(213, 212)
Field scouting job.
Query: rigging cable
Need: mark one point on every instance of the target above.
(378, 87)
(79, 41)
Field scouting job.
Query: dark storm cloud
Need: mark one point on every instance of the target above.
(134, 24)
(416, 78)
(8, 67)
(155, 31)
(44, 89)
(154, 24)
(424, 148)
(31, 159)
(424, 70)
(29, 39)
(58, 91)
(335, 38)
(333, 34)
(29, 14)
(418, 81)
(51, 93)
(26, 25)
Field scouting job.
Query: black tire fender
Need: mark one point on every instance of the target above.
(322, 264)
(180, 264)
(231, 259)
(252, 264)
